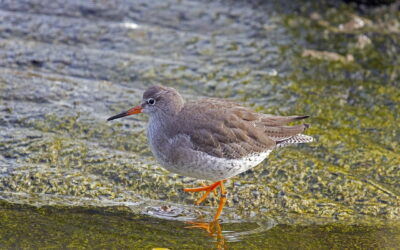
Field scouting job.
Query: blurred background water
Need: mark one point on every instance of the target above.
(68, 179)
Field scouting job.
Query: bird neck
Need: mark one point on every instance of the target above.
(157, 134)
(158, 125)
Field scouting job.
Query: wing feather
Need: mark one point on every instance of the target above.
(228, 130)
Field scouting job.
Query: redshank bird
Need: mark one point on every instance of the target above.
(211, 139)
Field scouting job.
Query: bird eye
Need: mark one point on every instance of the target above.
(151, 101)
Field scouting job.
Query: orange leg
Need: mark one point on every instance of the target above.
(208, 190)
(204, 188)
(214, 191)
(213, 228)
(222, 201)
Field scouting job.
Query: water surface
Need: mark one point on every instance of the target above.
(65, 67)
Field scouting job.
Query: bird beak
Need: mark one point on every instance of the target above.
(132, 111)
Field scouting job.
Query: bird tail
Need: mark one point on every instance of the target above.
(300, 138)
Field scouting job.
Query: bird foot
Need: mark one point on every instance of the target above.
(208, 190)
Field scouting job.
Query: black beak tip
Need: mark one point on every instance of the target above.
(117, 116)
(112, 118)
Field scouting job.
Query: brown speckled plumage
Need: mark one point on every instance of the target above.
(213, 138)
(235, 131)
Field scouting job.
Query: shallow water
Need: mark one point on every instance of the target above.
(91, 227)
(66, 67)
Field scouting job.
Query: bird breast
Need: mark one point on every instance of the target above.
(157, 140)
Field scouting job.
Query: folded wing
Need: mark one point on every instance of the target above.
(228, 130)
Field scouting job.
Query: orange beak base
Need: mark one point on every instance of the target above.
(132, 111)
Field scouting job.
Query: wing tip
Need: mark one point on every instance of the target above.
(302, 117)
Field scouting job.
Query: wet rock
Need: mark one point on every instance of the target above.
(328, 56)
(363, 41)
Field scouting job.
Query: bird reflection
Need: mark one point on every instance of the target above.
(214, 230)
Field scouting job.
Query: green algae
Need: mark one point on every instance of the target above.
(70, 167)
(23, 226)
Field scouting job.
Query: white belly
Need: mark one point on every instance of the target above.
(207, 167)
